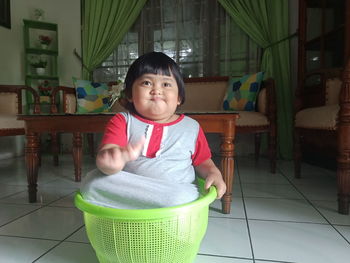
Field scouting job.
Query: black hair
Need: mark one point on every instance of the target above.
(153, 63)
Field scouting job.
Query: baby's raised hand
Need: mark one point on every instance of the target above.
(112, 158)
(131, 152)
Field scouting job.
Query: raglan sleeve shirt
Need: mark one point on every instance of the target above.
(116, 133)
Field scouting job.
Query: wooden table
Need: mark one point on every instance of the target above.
(211, 122)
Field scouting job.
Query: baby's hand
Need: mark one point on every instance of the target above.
(112, 158)
(131, 152)
(216, 179)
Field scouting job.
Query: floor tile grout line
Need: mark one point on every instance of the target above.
(245, 211)
(7, 196)
(59, 243)
(286, 221)
(35, 238)
(39, 207)
(312, 205)
(48, 239)
(275, 261)
(222, 256)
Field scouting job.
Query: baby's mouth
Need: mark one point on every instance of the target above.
(156, 98)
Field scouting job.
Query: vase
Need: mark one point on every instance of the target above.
(45, 99)
(40, 71)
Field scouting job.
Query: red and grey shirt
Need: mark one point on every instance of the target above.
(170, 150)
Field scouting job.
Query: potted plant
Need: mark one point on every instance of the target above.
(44, 41)
(39, 64)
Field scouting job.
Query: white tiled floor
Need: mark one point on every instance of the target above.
(274, 218)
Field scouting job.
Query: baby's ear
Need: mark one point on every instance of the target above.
(179, 99)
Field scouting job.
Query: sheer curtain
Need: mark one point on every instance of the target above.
(199, 35)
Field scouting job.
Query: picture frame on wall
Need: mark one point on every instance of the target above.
(5, 13)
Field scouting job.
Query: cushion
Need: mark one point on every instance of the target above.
(242, 92)
(8, 103)
(71, 103)
(252, 119)
(10, 122)
(92, 97)
(323, 118)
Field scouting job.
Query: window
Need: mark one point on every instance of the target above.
(199, 35)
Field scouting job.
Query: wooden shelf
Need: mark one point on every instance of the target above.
(40, 51)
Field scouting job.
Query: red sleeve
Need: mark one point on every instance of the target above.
(202, 151)
(115, 131)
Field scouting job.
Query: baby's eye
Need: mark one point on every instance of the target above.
(146, 83)
(167, 84)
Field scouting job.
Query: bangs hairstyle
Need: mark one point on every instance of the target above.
(154, 63)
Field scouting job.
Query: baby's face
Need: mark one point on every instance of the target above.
(156, 97)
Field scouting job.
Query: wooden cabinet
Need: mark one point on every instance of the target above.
(323, 48)
(41, 53)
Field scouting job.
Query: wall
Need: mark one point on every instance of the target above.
(66, 13)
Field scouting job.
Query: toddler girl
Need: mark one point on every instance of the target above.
(149, 155)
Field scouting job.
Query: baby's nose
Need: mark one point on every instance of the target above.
(156, 90)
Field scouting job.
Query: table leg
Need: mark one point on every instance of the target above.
(77, 155)
(343, 178)
(54, 147)
(227, 168)
(32, 162)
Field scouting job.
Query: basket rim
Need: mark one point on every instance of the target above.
(143, 214)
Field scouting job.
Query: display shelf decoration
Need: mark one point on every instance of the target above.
(45, 41)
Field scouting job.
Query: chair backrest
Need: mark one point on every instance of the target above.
(319, 89)
(207, 94)
(11, 99)
(204, 93)
(9, 103)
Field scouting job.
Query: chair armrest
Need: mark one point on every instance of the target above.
(65, 91)
(36, 98)
(311, 93)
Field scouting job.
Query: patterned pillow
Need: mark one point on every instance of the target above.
(91, 96)
(242, 92)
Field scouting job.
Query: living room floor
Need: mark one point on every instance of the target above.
(274, 217)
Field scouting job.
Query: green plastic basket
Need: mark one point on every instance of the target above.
(162, 235)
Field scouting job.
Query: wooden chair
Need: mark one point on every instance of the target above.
(207, 94)
(323, 112)
(11, 105)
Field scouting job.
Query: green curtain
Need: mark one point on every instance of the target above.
(266, 22)
(105, 22)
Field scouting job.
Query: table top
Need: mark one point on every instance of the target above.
(218, 121)
(21, 116)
